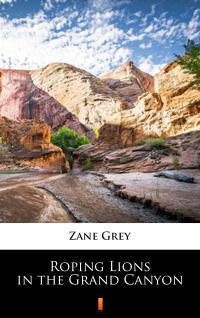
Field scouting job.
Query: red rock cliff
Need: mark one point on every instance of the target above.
(21, 99)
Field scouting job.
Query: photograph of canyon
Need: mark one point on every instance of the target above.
(99, 111)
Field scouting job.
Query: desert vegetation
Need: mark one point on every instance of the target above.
(190, 61)
(68, 140)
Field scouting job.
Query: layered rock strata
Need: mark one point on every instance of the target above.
(128, 101)
(91, 99)
(29, 142)
(129, 82)
(20, 99)
(173, 109)
(176, 152)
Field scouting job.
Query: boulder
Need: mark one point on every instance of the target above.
(175, 176)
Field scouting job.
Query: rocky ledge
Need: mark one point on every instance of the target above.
(154, 154)
(28, 145)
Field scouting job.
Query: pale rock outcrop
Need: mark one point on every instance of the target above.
(173, 111)
(129, 82)
(174, 108)
(80, 92)
(91, 99)
(181, 100)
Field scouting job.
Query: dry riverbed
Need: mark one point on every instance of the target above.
(177, 199)
(87, 197)
(21, 201)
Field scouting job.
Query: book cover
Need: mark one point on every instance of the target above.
(99, 157)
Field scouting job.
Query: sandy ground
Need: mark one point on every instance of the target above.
(88, 197)
(77, 197)
(85, 195)
(22, 202)
(176, 198)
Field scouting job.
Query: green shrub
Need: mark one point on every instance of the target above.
(155, 142)
(87, 165)
(1, 140)
(139, 142)
(68, 138)
(176, 162)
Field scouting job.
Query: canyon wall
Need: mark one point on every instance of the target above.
(125, 105)
(173, 109)
(21, 99)
(171, 112)
(135, 102)
(93, 99)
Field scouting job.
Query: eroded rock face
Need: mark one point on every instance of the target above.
(122, 103)
(91, 99)
(20, 99)
(30, 144)
(172, 110)
(182, 151)
(129, 82)
(80, 92)
(120, 136)
(94, 101)
(29, 134)
(181, 100)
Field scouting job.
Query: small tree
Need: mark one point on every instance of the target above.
(68, 140)
(191, 60)
(87, 165)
